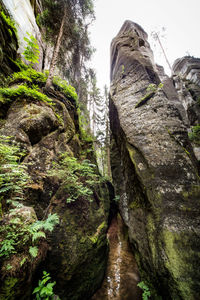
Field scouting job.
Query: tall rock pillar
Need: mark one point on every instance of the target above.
(154, 168)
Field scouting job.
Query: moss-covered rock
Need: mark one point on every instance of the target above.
(9, 44)
(78, 246)
(154, 169)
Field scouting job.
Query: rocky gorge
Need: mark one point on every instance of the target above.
(58, 213)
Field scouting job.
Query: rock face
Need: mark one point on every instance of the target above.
(186, 77)
(77, 248)
(154, 168)
(8, 47)
(23, 15)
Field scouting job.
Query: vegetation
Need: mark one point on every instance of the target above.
(194, 135)
(29, 75)
(17, 234)
(146, 293)
(150, 92)
(13, 176)
(66, 88)
(44, 290)
(22, 91)
(67, 22)
(8, 21)
(78, 178)
(31, 52)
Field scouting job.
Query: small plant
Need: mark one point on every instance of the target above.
(31, 52)
(44, 290)
(146, 292)
(13, 175)
(117, 198)
(17, 234)
(194, 135)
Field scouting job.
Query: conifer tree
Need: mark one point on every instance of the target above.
(65, 23)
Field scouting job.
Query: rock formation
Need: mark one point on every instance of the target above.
(154, 168)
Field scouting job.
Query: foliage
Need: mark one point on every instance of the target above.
(9, 94)
(78, 178)
(65, 24)
(44, 290)
(13, 176)
(33, 251)
(68, 90)
(194, 135)
(28, 75)
(17, 234)
(31, 52)
(8, 21)
(146, 292)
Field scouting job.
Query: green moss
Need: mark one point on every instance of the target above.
(8, 290)
(66, 88)
(135, 204)
(144, 99)
(10, 94)
(10, 23)
(95, 237)
(194, 192)
(151, 228)
(28, 75)
(179, 262)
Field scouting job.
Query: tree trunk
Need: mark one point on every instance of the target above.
(56, 50)
(167, 61)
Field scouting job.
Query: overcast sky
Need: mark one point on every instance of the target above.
(181, 18)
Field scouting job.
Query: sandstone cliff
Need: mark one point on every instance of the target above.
(155, 171)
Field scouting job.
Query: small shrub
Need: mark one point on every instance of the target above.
(146, 292)
(44, 290)
(78, 178)
(31, 52)
(194, 135)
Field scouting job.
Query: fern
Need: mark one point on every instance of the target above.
(33, 251)
(50, 222)
(79, 178)
(37, 235)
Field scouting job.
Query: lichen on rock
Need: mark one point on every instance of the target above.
(153, 165)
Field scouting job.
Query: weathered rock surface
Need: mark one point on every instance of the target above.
(154, 168)
(77, 248)
(186, 78)
(8, 47)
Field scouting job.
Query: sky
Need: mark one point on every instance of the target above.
(181, 18)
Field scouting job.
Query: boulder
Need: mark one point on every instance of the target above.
(154, 168)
